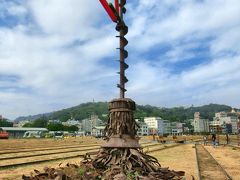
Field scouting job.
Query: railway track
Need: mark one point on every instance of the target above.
(25, 150)
(42, 145)
(207, 165)
(10, 160)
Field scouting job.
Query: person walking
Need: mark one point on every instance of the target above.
(205, 140)
(214, 140)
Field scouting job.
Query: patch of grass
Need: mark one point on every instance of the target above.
(82, 171)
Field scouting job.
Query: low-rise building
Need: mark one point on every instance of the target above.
(225, 122)
(71, 122)
(177, 128)
(54, 121)
(142, 129)
(98, 131)
(154, 124)
(19, 132)
(89, 123)
(21, 123)
(157, 125)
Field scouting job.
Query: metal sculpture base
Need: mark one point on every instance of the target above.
(122, 153)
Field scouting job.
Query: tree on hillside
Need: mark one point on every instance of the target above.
(71, 128)
(5, 123)
(41, 122)
(38, 123)
(60, 127)
(55, 127)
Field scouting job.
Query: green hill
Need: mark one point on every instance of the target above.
(179, 114)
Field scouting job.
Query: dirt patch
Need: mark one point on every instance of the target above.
(180, 158)
(228, 157)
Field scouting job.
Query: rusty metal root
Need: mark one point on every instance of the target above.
(124, 162)
(84, 171)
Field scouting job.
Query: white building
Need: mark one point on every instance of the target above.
(221, 119)
(177, 128)
(200, 125)
(155, 124)
(98, 131)
(54, 121)
(71, 122)
(142, 129)
(21, 123)
(158, 125)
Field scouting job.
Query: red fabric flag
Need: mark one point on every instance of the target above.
(108, 10)
(117, 6)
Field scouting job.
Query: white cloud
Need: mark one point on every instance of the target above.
(212, 82)
(64, 16)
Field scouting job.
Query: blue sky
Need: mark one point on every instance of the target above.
(56, 54)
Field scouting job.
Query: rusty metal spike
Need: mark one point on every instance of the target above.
(123, 2)
(124, 10)
(123, 39)
(119, 86)
(123, 27)
(126, 66)
(124, 52)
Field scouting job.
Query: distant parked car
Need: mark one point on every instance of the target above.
(4, 135)
(59, 135)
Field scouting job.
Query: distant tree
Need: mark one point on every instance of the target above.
(5, 123)
(55, 127)
(41, 122)
(71, 128)
(60, 127)
(38, 123)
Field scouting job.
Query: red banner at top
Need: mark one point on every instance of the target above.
(108, 10)
(117, 6)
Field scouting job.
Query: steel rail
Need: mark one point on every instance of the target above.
(41, 147)
(38, 161)
(45, 149)
(50, 153)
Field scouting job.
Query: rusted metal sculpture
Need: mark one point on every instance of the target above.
(122, 152)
